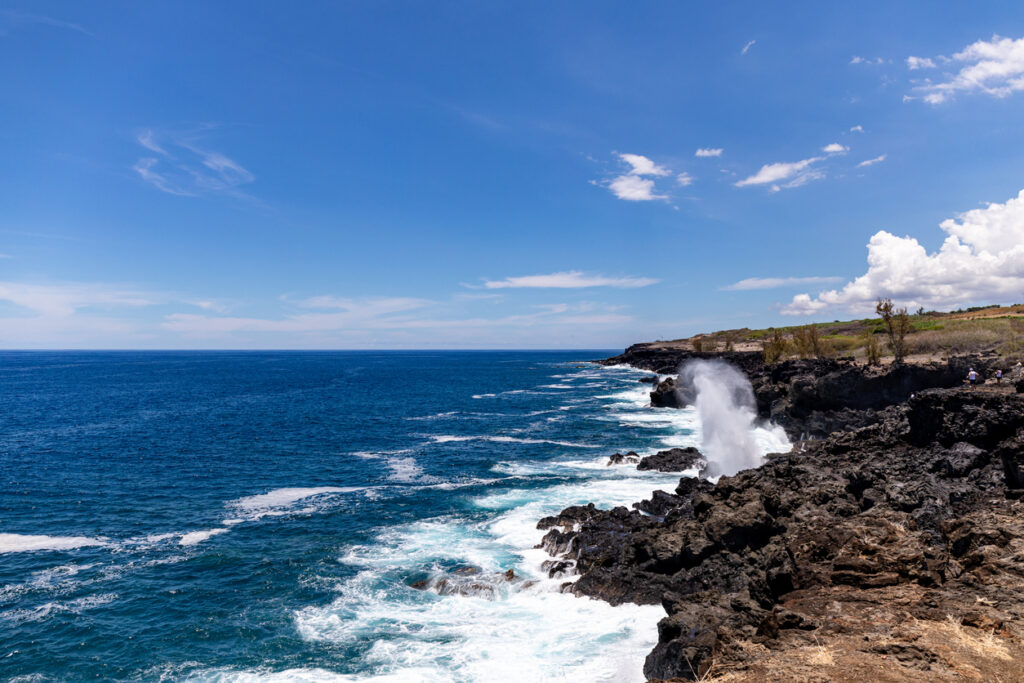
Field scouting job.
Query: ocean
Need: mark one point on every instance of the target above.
(243, 516)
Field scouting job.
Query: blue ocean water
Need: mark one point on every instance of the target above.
(263, 515)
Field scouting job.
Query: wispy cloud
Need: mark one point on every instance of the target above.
(633, 185)
(684, 179)
(994, 67)
(708, 152)
(747, 47)
(572, 279)
(915, 63)
(795, 173)
(865, 60)
(60, 300)
(857, 129)
(186, 168)
(777, 282)
(12, 17)
(869, 162)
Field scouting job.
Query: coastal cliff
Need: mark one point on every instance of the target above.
(889, 544)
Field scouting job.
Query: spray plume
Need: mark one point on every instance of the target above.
(727, 410)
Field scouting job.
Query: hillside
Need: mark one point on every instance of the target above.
(933, 335)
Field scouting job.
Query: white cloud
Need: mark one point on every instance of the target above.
(835, 148)
(634, 188)
(777, 282)
(864, 60)
(16, 18)
(708, 152)
(994, 67)
(796, 172)
(981, 261)
(191, 170)
(684, 179)
(572, 279)
(914, 63)
(641, 165)
(747, 47)
(869, 162)
(857, 129)
(65, 299)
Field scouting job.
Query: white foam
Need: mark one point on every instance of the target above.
(21, 543)
(194, 537)
(536, 632)
(278, 501)
(447, 438)
(300, 676)
(41, 612)
(374, 455)
(408, 471)
(556, 386)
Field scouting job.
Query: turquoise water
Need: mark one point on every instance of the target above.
(245, 516)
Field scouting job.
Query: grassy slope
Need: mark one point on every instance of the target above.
(934, 334)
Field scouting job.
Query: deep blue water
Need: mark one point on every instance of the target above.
(237, 516)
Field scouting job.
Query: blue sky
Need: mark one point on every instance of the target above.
(499, 175)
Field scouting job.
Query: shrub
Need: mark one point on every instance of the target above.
(872, 349)
(774, 346)
(897, 326)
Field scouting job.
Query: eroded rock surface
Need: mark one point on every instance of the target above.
(891, 551)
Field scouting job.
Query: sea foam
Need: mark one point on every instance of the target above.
(20, 543)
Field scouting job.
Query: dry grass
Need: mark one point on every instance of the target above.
(932, 334)
(985, 643)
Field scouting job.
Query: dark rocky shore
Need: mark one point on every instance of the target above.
(889, 545)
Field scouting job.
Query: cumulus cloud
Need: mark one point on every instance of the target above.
(684, 179)
(777, 282)
(571, 279)
(634, 188)
(857, 129)
(183, 167)
(869, 162)
(641, 165)
(994, 67)
(914, 63)
(795, 173)
(835, 148)
(747, 47)
(981, 260)
(708, 152)
(633, 185)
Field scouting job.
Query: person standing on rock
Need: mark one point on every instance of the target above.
(999, 376)
(972, 378)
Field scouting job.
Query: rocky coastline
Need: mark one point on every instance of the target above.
(888, 544)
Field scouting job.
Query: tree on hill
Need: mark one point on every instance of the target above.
(897, 326)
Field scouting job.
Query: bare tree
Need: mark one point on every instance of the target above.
(897, 326)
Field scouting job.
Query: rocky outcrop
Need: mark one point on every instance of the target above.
(810, 398)
(674, 460)
(880, 541)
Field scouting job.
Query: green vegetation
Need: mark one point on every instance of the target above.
(923, 333)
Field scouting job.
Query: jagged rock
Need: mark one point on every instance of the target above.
(674, 460)
(630, 458)
(910, 513)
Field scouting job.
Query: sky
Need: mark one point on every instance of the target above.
(466, 175)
